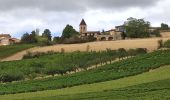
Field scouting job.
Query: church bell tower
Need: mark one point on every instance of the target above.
(83, 27)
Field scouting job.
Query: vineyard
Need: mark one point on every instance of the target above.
(159, 90)
(52, 63)
(124, 68)
(6, 51)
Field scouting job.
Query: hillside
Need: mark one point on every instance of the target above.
(117, 70)
(154, 84)
(150, 44)
(9, 50)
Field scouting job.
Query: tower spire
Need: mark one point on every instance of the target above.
(83, 27)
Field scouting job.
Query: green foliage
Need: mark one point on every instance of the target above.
(155, 33)
(59, 63)
(43, 41)
(29, 38)
(160, 44)
(124, 68)
(69, 31)
(164, 26)
(56, 40)
(158, 90)
(137, 28)
(47, 34)
(167, 44)
(9, 50)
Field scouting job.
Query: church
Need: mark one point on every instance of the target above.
(83, 30)
(113, 34)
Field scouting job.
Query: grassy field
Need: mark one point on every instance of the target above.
(10, 50)
(150, 44)
(125, 68)
(154, 83)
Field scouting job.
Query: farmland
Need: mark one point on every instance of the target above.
(51, 63)
(150, 43)
(6, 51)
(154, 83)
(117, 70)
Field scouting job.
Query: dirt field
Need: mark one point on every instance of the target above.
(150, 44)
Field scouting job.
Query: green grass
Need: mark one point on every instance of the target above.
(155, 84)
(9, 50)
(129, 67)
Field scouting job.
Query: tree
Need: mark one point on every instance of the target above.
(33, 37)
(47, 34)
(137, 28)
(56, 40)
(29, 38)
(43, 41)
(164, 26)
(25, 38)
(69, 31)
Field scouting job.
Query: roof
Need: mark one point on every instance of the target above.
(83, 22)
(5, 35)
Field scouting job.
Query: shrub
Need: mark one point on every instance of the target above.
(43, 41)
(160, 44)
(131, 52)
(87, 48)
(141, 50)
(11, 76)
(167, 44)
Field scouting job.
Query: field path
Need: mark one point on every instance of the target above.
(150, 44)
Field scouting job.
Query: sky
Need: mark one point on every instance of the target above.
(20, 16)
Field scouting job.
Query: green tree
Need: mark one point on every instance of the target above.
(69, 31)
(56, 40)
(164, 26)
(47, 34)
(43, 41)
(25, 38)
(29, 38)
(137, 28)
(33, 37)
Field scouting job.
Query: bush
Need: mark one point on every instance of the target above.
(160, 44)
(141, 50)
(43, 41)
(167, 44)
(11, 76)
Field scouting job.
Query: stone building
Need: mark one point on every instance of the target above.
(83, 30)
(114, 34)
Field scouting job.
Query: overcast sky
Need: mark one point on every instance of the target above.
(20, 16)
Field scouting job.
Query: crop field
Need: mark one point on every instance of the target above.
(117, 70)
(6, 51)
(154, 83)
(52, 63)
(150, 43)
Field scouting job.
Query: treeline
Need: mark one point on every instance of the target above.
(35, 38)
(51, 63)
(69, 36)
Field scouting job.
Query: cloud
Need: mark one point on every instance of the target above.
(19, 16)
(72, 5)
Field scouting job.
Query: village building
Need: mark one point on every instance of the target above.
(113, 34)
(5, 39)
(83, 30)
